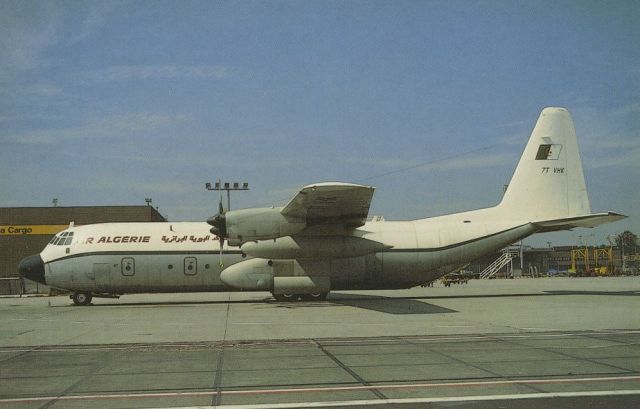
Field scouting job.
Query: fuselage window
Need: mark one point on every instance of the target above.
(190, 266)
(128, 266)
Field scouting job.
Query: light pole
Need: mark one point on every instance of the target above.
(228, 187)
(622, 241)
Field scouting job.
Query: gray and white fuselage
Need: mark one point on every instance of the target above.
(176, 257)
(320, 241)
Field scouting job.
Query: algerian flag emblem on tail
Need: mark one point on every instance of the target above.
(548, 152)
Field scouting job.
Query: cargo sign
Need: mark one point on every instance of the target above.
(24, 230)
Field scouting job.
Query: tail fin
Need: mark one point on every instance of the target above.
(548, 183)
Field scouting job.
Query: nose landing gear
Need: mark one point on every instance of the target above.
(81, 298)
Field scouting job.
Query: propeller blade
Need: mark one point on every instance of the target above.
(221, 244)
(220, 207)
(219, 223)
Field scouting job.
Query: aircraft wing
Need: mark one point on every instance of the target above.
(331, 203)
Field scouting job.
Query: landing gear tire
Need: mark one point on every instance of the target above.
(285, 297)
(315, 296)
(81, 298)
(304, 297)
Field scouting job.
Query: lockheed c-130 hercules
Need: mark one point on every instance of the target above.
(321, 240)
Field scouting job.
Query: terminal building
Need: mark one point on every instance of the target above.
(27, 230)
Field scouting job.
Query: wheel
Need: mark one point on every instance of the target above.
(315, 296)
(81, 298)
(285, 297)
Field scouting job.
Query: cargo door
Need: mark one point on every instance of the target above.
(102, 276)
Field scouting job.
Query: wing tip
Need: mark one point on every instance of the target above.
(337, 185)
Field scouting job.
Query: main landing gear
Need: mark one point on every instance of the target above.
(81, 298)
(85, 297)
(300, 297)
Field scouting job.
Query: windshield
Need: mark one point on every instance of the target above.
(62, 239)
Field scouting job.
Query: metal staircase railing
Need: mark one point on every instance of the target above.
(507, 256)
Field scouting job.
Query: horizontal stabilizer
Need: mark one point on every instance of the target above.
(591, 220)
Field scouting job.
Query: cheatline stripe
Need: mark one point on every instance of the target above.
(147, 253)
(326, 389)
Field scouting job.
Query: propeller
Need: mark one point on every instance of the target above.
(219, 223)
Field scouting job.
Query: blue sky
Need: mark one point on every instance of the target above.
(106, 103)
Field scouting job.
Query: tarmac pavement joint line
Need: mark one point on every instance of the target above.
(355, 388)
(423, 400)
(302, 341)
(217, 381)
(463, 338)
(350, 372)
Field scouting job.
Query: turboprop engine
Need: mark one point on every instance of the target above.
(240, 226)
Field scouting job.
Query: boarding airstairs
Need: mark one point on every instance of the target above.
(506, 258)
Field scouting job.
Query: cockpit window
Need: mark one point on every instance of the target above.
(62, 239)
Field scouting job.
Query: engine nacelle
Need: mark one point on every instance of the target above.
(254, 274)
(260, 274)
(260, 224)
(310, 247)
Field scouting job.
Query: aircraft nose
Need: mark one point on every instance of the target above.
(32, 267)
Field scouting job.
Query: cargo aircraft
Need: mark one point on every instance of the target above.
(322, 240)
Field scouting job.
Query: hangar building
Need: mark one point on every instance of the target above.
(27, 230)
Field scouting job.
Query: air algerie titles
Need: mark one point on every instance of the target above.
(124, 239)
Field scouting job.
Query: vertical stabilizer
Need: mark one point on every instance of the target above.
(548, 182)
